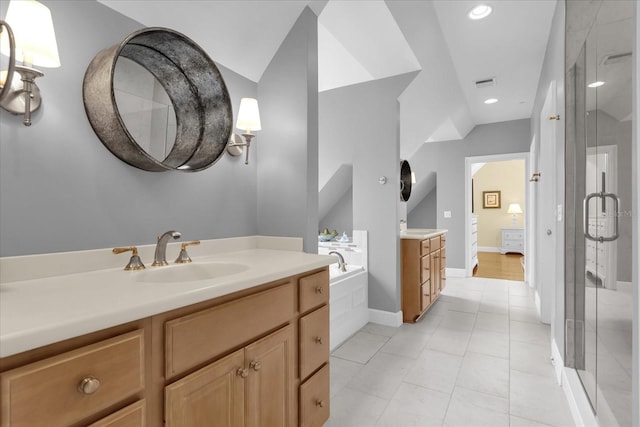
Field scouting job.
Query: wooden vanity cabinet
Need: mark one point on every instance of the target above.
(423, 274)
(259, 357)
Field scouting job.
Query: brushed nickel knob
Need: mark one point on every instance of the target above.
(242, 373)
(320, 403)
(88, 385)
(255, 365)
(318, 340)
(319, 290)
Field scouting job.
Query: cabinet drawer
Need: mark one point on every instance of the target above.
(314, 290)
(47, 392)
(196, 338)
(131, 416)
(435, 243)
(514, 235)
(425, 248)
(314, 340)
(513, 244)
(314, 399)
(424, 268)
(425, 295)
(443, 240)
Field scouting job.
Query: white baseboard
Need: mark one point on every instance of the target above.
(624, 287)
(488, 249)
(577, 399)
(456, 272)
(386, 318)
(558, 362)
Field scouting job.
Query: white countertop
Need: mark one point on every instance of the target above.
(421, 233)
(43, 310)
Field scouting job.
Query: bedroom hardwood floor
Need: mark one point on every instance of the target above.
(496, 266)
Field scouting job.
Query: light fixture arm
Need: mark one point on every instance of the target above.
(247, 138)
(12, 60)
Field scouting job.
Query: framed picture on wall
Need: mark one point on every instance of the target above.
(491, 199)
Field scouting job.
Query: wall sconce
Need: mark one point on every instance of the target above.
(514, 209)
(248, 120)
(33, 43)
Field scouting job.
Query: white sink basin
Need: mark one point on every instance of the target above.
(189, 272)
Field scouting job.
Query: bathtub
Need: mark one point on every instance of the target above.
(349, 302)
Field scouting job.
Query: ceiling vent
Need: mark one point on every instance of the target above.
(485, 83)
(615, 59)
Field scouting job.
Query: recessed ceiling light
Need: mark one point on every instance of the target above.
(491, 101)
(480, 11)
(596, 84)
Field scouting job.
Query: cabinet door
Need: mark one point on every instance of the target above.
(212, 396)
(435, 274)
(270, 384)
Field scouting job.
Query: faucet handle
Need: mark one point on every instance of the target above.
(135, 263)
(183, 257)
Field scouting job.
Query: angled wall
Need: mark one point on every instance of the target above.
(288, 143)
(366, 115)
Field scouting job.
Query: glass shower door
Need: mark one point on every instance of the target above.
(599, 188)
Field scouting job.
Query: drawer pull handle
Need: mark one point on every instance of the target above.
(88, 385)
(318, 340)
(242, 373)
(255, 365)
(319, 290)
(320, 403)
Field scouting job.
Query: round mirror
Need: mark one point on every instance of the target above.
(158, 102)
(405, 181)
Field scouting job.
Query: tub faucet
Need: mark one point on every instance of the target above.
(341, 264)
(160, 257)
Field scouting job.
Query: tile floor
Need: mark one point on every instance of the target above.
(479, 357)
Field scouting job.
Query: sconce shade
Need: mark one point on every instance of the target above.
(248, 115)
(413, 177)
(514, 208)
(35, 37)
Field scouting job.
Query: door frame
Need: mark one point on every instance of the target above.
(467, 200)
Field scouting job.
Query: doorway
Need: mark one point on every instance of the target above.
(492, 213)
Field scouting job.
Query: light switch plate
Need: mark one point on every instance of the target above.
(447, 214)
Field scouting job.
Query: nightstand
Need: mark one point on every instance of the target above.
(512, 240)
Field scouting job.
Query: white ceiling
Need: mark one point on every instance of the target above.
(361, 41)
(509, 45)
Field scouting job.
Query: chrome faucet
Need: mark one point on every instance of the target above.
(160, 257)
(341, 264)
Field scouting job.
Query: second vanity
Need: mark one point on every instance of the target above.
(243, 340)
(423, 259)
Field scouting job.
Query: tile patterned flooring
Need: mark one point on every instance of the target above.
(479, 357)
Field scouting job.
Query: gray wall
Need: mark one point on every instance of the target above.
(62, 190)
(553, 69)
(425, 214)
(340, 217)
(367, 114)
(447, 159)
(288, 143)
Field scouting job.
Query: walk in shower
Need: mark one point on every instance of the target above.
(598, 236)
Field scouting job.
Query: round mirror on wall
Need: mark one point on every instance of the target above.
(405, 180)
(158, 102)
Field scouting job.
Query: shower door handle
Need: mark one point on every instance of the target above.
(585, 213)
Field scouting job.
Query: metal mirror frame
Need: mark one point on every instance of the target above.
(405, 181)
(204, 117)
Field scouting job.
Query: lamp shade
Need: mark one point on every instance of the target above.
(33, 30)
(248, 115)
(514, 208)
